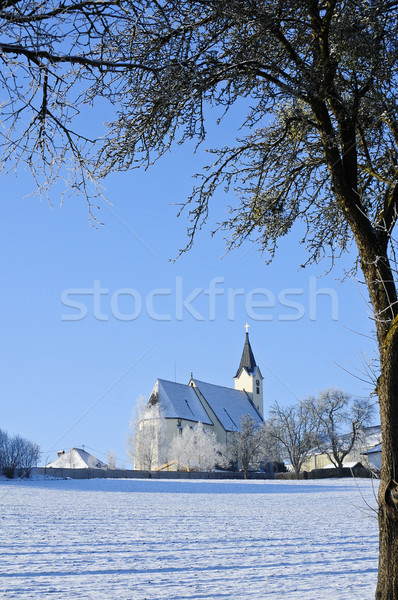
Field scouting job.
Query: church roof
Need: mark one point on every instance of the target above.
(228, 405)
(179, 401)
(247, 361)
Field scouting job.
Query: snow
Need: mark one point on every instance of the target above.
(229, 405)
(179, 401)
(372, 436)
(107, 539)
(346, 465)
(376, 448)
(77, 459)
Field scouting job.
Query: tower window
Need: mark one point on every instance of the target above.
(257, 390)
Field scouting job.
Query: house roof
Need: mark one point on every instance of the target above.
(179, 401)
(346, 465)
(373, 450)
(372, 435)
(247, 360)
(228, 405)
(77, 459)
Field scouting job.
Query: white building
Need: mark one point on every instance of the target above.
(76, 459)
(368, 441)
(374, 456)
(219, 409)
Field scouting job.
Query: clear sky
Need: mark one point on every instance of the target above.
(92, 317)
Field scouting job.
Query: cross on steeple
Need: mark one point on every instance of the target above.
(247, 327)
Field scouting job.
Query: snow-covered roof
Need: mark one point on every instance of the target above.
(179, 401)
(373, 450)
(369, 437)
(76, 459)
(228, 405)
(346, 465)
(372, 435)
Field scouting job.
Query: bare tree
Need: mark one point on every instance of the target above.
(195, 449)
(134, 426)
(247, 447)
(111, 459)
(17, 455)
(57, 59)
(180, 449)
(341, 421)
(294, 430)
(3, 449)
(29, 454)
(206, 448)
(146, 440)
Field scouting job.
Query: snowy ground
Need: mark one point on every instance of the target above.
(183, 540)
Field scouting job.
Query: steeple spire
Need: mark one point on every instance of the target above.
(247, 361)
(248, 377)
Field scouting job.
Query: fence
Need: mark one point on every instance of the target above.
(132, 474)
(330, 473)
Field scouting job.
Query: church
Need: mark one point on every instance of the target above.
(220, 409)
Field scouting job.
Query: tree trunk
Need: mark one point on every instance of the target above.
(387, 585)
(340, 467)
(382, 292)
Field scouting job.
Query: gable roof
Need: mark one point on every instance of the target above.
(247, 360)
(376, 449)
(228, 405)
(372, 435)
(179, 401)
(77, 459)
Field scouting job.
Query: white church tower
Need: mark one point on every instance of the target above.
(248, 376)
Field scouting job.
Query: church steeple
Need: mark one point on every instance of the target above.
(247, 361)
(248, 376)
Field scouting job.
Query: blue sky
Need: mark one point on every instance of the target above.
(69, 381)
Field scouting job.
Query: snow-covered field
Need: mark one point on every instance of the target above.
(183, 540)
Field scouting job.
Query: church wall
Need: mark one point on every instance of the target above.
(173, 427)
(244, 382)
(258, 399)
(247, 383)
